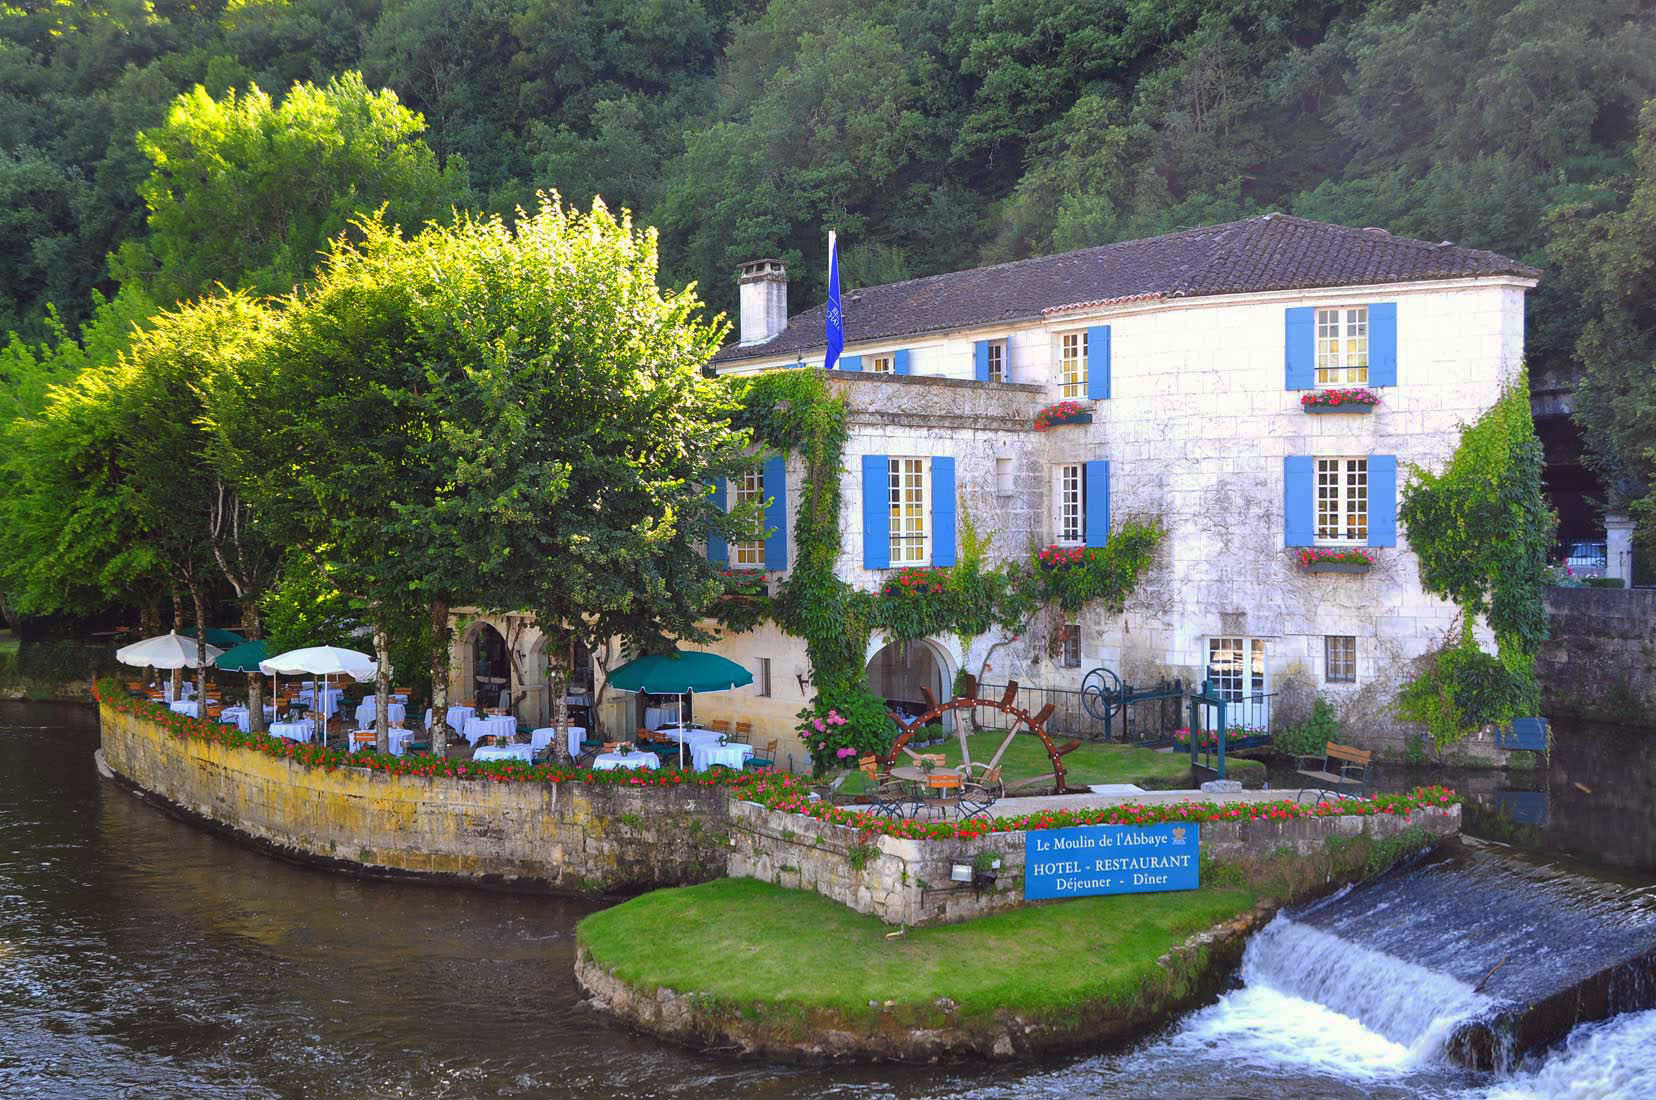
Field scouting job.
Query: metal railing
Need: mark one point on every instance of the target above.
(1586, 557)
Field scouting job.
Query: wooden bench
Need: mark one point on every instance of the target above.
(1344, 771)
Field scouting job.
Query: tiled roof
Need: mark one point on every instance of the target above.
(1271, 252)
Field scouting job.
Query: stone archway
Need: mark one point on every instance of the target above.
(485, 665)
(905, 673)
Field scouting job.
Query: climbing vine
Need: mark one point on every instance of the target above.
(1482, 530)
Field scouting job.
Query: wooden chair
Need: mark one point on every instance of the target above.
(935, 759)
(214, 711)
(468, 703)
(409, 692)
(361, 739)
(869, 765)
(1347, 777)
(612, 746)
(943, 792)
(719, 726)
(743, 734)
(980, 793)
(765, 761)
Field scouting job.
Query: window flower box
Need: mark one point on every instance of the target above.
(1061, 557)
(1061, 414)
(1344, 560)
(1339, 401)
(916, 581)
(745, 583)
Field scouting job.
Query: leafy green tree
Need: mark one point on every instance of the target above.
(246, 192)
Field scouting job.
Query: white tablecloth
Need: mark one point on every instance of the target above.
(400, 740)
(656, 717)
(493, 725)
(610, 761)
(365, 713)
(504, 752)
(166, 689)
(190, 707)
(457, 716)
(308, 697)
(691, 736)
(293, 731)
(539, 739)
(239, 716)
(708, 753)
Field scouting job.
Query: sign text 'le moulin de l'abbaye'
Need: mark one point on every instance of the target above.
(1110, 859)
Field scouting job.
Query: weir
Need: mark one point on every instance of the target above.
(1474, 953)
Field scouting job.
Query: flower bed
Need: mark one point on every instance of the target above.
(1065, 412)
(1350, 559)
(1357, 400)
(1209, 739)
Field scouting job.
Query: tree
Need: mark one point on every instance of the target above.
(247, 192)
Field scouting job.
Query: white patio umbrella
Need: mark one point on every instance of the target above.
(170, 650)
(323, 661)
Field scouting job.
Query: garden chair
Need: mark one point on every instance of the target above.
(979, 795)
(720, 725)
(743, 734)
(362, 739)
(943, 793)
(766, 761)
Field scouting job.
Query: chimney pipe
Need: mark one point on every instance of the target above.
(764, 300)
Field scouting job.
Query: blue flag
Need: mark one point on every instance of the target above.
(835, 320)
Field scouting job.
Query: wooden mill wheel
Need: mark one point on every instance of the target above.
(969, 700)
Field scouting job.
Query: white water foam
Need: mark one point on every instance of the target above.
(1601, 1061)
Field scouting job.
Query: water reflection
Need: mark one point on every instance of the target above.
(141, 957)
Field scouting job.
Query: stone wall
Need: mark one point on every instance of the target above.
(558, 836)
(903, 881)
(1600, 663)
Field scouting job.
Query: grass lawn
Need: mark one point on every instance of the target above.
(749, 943)
(8, 642)
(1093, 762)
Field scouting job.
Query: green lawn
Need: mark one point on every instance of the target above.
(1092, 763)
(752, 945)
(8, 642)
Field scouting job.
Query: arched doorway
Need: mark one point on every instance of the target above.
(491, 668)
(899, 670)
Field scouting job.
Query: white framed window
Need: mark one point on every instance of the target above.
(1340, 659)
(1072, 645)
(910, 505)
(1342, 501)
(1069, 489)
(1342, 346)
(1072, 365)
(882, 364)
(997, 361)
(1236, 668)
(749, 489)
(761, 678)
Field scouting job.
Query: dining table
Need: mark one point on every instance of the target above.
(366, 712)
(240, 716)
(541, 738)
(616, 761)
(457, 716)
(504, 752)
(293, 731)
(186, 706)
(479, 726)
(706, 754)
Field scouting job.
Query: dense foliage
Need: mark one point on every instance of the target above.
(1482, 530)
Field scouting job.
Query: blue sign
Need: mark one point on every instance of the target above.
(1111, 859)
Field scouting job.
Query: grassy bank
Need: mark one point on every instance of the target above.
(749, 945)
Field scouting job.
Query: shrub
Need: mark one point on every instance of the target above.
(1311, 737)
(837, 730)
(1605, 582)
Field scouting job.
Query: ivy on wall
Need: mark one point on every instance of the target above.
(1482, 531)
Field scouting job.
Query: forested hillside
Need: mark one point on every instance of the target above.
(160, 146)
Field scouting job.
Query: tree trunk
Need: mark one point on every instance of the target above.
(558, 668)
(439, 677)
(178, 628)
(597, 707)
(382, 687)
(201, 650)
(255, 679)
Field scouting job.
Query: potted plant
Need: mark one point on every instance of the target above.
(1061, 557)
(1065, 412)
(1339, 401)
(1346, 559)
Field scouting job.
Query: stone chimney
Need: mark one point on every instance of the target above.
(764, 313)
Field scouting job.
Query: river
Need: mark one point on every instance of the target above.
(141, 957)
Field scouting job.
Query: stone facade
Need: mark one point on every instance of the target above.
(1196, 431)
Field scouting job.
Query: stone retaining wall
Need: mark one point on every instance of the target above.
(1600, 662)
(556, 836)
(904, 881)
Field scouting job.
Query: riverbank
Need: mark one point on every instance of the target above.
(788, 974)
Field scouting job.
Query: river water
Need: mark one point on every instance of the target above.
(141, 957)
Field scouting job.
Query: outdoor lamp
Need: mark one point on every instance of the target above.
(960, 872)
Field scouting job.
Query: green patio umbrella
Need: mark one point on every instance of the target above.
(680, 673)
(217, 636)
(244, 658)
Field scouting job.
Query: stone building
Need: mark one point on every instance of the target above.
(1191, 352)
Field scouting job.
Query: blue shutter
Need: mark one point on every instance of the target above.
(876, 512)
(900, 361)
(943, 510)
(1299, 507)
(716, 550)
(1382, 320)
(776, 513)
(1098, 363)
(1300, 347)
(1382, 499)
(850, 362)
(1096, 501)
(980, 360)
